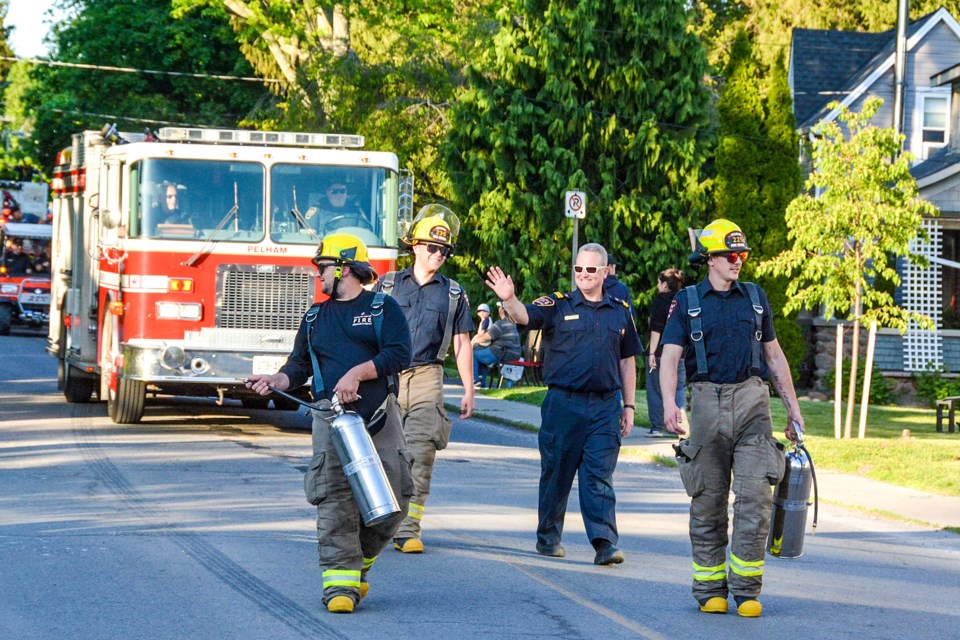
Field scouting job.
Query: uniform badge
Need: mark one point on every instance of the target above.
(544, 301)
(673, 306)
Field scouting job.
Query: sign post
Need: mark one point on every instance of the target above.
(576, 208)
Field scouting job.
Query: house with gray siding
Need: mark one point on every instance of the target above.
(850, 67)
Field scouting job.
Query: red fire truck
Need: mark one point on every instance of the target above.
(181, 264)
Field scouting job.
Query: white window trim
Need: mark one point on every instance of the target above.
(918, 147)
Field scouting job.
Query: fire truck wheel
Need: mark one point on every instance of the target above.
(75, 388)
(6, 319)
(126, 405)
(251, 402)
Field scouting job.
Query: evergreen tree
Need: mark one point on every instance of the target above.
(606, 97)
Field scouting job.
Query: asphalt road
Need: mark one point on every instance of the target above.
(193, 525)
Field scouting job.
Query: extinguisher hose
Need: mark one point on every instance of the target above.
(816, 494)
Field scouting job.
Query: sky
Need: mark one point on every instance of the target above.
(32, 23)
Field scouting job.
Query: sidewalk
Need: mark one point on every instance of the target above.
(837, 488)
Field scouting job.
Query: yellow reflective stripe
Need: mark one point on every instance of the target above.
(705, 574)
(341, 578)
(415, 511)
(368, 562)
(746, 568)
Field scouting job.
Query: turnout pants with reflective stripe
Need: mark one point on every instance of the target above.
(427, 430)
(731, 425)
(346, 546)
(578, 436)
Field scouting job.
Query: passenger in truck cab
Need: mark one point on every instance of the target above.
(17, 262)
(172, 213)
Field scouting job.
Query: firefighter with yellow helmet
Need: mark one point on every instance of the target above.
(353, 344)
(726, 327)
(438, 313)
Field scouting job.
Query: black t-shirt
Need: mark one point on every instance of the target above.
(659, 311)
(343, 337)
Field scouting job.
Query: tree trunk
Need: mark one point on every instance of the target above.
(838, 387)
(852, 389)
(867, 375)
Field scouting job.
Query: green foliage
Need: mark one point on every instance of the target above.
(881, 391)
(140, 34)
(792, 341)
(931, 385)
(868, 212)
(600, 96)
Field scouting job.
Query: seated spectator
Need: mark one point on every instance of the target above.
(504, 346)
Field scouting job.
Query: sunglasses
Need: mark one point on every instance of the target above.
(322, 265)
(337, 191)
(733, 256)
(591, 270)
(433, 248)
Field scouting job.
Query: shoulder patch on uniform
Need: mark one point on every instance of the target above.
(544, 301)
(673, 307)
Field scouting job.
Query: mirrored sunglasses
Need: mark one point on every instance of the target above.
(337, 190)
(733, 256)
(591, 270)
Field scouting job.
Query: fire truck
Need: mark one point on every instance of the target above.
(181, 260)
(24, 275)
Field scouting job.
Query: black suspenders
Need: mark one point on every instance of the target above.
(696, 328)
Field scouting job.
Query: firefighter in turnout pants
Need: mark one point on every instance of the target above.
(355, 355)
(726, 327)
(438, 313)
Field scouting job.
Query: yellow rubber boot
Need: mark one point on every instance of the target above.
(750, 609)
(408, 545)
(340, 604)
(364, 589)
(715, 604)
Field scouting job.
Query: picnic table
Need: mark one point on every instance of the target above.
(949, 403)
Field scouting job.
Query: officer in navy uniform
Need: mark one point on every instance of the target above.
(727, 329)
(590, 344)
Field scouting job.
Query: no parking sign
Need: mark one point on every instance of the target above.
(576, 204)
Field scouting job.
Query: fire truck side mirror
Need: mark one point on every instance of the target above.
(110, 219)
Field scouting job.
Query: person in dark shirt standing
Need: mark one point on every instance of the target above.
(356, 364)
(590, 348)
(726, 327)
(438, 313)
(613, 286)
(668, 283)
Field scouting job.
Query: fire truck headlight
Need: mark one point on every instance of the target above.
(9, 288)
(190, 311)
(173, 358)
(179, 311)
(168, 310)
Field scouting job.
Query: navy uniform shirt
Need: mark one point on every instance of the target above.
(426, 308)
(729, 331)
(343, 337)
(583, 341)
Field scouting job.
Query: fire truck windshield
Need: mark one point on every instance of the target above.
(180, 199)
(310, 201)
(177, 199)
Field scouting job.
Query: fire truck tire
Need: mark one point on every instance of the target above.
(75, 388)
(250, 402)
(126, 405)
(6, 319)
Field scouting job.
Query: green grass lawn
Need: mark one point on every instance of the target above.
(925, 460)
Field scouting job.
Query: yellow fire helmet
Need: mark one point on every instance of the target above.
(719, 236)
(346, 249)
(434, 223)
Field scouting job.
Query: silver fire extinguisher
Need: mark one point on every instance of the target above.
(362, 465)
(791, 498)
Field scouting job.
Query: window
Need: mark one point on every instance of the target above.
(933, 121)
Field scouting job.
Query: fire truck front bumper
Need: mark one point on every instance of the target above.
(182, 364)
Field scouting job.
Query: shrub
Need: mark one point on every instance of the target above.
(792, 341)
(932, 386)
(881, 391)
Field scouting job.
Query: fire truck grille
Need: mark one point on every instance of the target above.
(263, 297)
